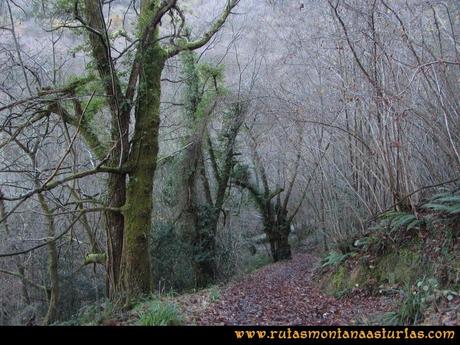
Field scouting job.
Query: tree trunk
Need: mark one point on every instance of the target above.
(120, 114)
(280, 247)
(136, 275)
(199, 223)
(278, 236)
(53, 296)
(114, 230)
(53, 259)
(204, 245)
(116, 187)
(204, 263)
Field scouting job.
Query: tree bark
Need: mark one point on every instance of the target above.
(53, 260)
(136, 275)
(280, 247)
(129, 272)
(204, 245)
(120, 113)
(115, 231)
(278, 236)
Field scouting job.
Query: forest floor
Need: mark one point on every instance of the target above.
(284, 293)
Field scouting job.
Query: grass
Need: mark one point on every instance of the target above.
(159, 313)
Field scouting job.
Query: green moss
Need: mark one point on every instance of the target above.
(339, 279)
(95, 258)
(398, 268)
(393, 269)
(135, 269)
(91, 315)
(214, 293)
(338, 282)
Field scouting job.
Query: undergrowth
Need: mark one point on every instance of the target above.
(91, 315)
(415, 255)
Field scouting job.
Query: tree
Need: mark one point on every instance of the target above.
(205, 186)
(130, 156)
(128, 253)
(276, 217)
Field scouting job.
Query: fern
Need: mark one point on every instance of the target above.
(396, 220)
(333, 259)
(445, 203)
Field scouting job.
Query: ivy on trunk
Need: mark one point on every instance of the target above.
(130, 184)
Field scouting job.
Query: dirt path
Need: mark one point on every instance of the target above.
(282, 294)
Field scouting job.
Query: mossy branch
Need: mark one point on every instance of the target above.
(216, 26)
(86, 129)
(95, 258)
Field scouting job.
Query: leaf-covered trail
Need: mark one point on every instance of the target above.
(283, 294)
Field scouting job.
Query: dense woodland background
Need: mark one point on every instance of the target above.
(158, 147)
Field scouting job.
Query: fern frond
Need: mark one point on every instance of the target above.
(447, 203)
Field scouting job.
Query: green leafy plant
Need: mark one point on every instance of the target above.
(416, 299)
(257, 261)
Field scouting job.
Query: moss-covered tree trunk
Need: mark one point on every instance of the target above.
(206, 268)
(199, 220)
(128, 264)
(136, 275)
(276, 224)
(199, 217)
(280, 240)
(277, 229)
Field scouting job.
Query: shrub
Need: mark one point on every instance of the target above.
(214, 293)
(171, 257)
(397, 220)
